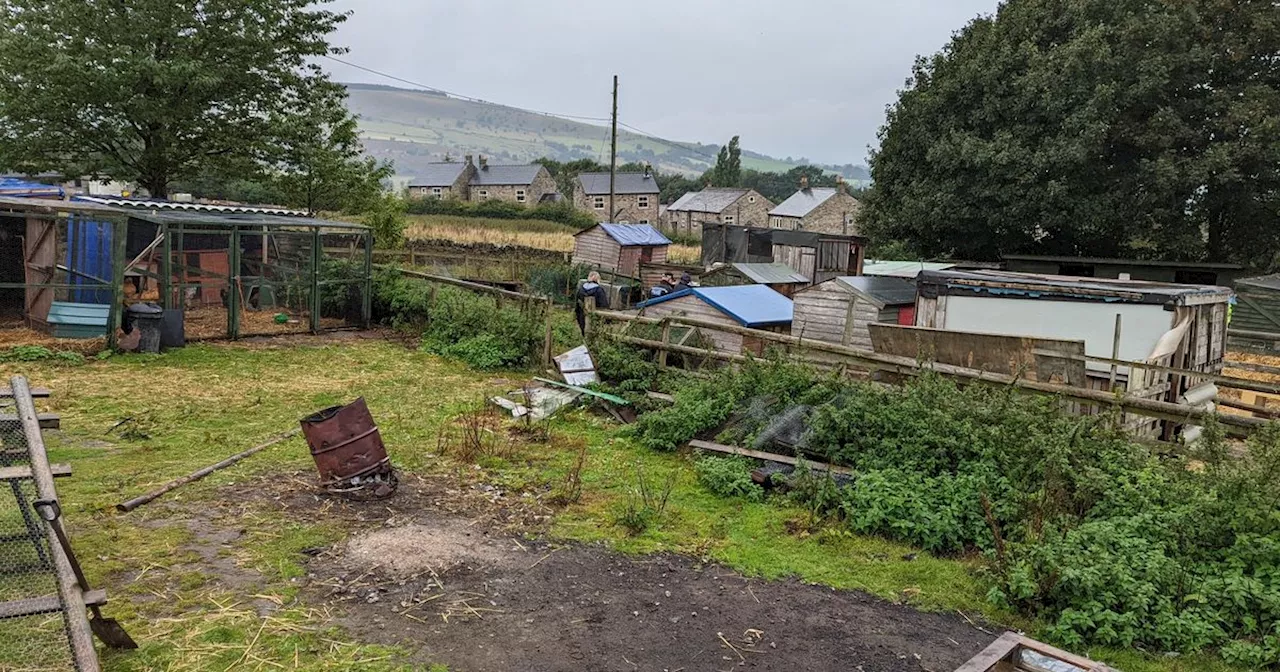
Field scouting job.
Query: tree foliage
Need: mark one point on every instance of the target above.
(728, 169)
(1090, 127)
(155, 91)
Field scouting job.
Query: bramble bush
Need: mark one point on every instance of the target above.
(1103, 539)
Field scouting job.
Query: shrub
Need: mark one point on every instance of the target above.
(728, 477)
(39, 353)
(559, 281)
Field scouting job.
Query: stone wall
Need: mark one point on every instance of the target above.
(838, 214)
(628, 206)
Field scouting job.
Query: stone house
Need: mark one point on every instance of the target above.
(735, 207)
(635, 197)
(449, 179)
(526, 184)
(818, 209)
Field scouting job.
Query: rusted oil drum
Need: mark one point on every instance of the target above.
(345, 443)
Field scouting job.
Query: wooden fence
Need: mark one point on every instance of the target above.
(835, 355)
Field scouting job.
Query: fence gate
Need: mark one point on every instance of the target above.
(42, 609)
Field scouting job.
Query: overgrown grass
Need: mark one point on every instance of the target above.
(202, 403)
(533, 233)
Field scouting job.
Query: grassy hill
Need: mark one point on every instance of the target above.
(412, 127)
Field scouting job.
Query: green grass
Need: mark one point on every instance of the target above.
(195, 406)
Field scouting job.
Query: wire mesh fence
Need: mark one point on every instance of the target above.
(28, 581)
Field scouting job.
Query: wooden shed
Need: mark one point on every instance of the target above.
(619, 248)
(1255, 320)
(754, 306)
(778, 277)
(839, 310)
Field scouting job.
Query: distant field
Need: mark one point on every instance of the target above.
(536, 233)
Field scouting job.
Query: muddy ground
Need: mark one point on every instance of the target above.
(439, 570)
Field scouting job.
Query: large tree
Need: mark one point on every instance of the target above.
(1090, 127)
(728, 169)
(154, 91)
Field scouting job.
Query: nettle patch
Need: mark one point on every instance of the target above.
(1099, 537)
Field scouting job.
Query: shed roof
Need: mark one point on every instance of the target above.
(16, 186)
(803, 202)
(774, 273)
(161, 204)
(441, 174)
(1038, 286)
(1263, 281)
(902, 269)
(1121, 262)
(631, 235)
(707, 200)
(885, 290)
(518, 175)
(748, 305)
(595, 184)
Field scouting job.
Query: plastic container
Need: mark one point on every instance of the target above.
(147, 318)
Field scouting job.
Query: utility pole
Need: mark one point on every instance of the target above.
(613, 148)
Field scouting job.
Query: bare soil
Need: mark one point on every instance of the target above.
(440, 570)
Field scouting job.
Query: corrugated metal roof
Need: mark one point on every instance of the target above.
(748, 305)
(158, 204)
(1265, 281)
(775, 273)
(442, 174)
(803, 202)
(595, 184)
(630, 235)
(902, 269)
(707, 200)
(1037, 286)
(518, 175)
(888, 290)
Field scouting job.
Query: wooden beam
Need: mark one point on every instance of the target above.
(1218, 379)
(23, 472)
(770, 457)
(48, 604)
(36, 392)
(47, 420)
(1249, 366)
(994, 653)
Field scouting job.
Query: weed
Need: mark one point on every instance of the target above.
(39, 353)
(728, 477)
(570, 489)
(645, 505)
(472, 436)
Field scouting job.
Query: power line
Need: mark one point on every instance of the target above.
(669, 143)
(458, 95)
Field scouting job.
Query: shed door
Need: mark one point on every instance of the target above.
(39, 255)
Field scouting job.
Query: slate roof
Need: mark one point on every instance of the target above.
(596, 184)
(707, 200)
(803, 202)
(630, 235)
(517, 175)
(775, 273)
(439, 175)
(748, 305)
(887, 290)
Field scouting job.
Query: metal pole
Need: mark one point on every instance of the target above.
(315, 281)
(1115, 354)
(613, 148)
(233, 288)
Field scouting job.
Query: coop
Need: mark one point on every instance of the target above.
(753, 306)
(218, 271)
(840, 310)
(778, 277)
(619, 248)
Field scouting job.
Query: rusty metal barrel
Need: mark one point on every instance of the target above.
(345, 443)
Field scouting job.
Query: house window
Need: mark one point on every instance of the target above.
(598, 203)
(484, 194)
(728, 219)
(642, 201)
(751, 199)
(519, 195)
(644, 221)
(776, 222)
(436, 191)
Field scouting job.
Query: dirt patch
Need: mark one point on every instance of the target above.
(416, 549)
(534, 606)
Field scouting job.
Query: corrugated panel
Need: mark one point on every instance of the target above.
(770, 274)
(634, 234)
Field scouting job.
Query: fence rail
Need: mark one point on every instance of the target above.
(874, 361)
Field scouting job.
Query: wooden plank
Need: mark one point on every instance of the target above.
(1249, 366)
(770, 457)
(47, 420)
(78, 631)
(22, 472)
(1218, 379)
(36, 392)
(47, 604)
(994, 653)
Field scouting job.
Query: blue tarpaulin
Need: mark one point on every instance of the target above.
(749, 305)
(628, 235)
(89, 258)
(16, 186)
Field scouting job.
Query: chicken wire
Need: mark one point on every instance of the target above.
(36, 642)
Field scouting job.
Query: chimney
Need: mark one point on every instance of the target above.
(804, 183)
(484, 163)
(468, 156)
(841, 186)
(646, 171)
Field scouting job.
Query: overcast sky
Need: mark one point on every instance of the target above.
(796, 79)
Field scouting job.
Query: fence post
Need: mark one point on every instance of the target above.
(316, 255)
(666, 340)
(548, 341)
